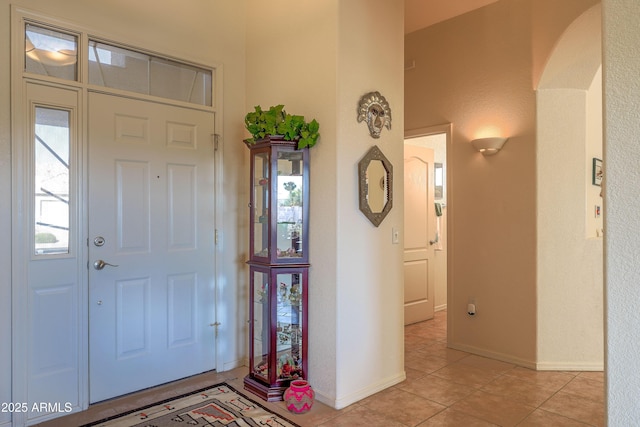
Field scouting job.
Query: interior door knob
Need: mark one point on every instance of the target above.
(100, 264)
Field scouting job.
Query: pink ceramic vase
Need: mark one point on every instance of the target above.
(299, 396)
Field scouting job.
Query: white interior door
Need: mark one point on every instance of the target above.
(151, 244)
(419, 225)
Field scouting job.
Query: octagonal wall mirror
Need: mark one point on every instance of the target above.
(375, 185)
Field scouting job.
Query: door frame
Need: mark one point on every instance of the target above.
(446, 129)
(20, 205)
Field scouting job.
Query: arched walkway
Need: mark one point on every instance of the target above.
(569, 233)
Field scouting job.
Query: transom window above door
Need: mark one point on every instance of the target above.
(130, 70)
(50, 53)
(54, 53)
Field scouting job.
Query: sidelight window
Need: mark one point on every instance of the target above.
(51, 149)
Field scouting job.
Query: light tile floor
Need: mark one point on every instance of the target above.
(444, 387)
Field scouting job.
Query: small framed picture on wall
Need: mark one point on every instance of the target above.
(597, 172)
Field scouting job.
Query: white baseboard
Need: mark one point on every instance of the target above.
(570, 366)
(345, 401)
(227, 366)
(442, 307)
(494, 355)
(537, 366)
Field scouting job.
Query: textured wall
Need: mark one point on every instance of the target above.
(621, 37)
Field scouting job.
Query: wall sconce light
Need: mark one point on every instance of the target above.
(488, 146)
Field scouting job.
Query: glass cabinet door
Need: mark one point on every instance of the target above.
(260, 204)
(261, 325)
(289, 327)
(291, 193)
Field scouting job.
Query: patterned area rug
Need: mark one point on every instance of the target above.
(216, 406)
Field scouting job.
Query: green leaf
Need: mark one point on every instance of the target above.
(314, 126)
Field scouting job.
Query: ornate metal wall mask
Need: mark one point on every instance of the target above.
(374, 109)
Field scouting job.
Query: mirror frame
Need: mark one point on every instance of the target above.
(374, 153)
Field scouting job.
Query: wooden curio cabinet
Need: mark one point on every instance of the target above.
(279, 266)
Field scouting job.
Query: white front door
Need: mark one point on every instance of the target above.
(419, 225)
(151, 244)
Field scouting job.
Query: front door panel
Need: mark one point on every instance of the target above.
(151, 244)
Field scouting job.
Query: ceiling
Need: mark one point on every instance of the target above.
(419, 14)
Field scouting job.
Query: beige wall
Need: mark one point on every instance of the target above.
(570, 281)
(306, 85)
(370, 272)
(321, 63)
(594, 226)
(477, 72)
(550, 19)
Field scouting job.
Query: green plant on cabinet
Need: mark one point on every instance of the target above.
(276, 121)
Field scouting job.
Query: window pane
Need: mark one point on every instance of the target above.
(125, 69)
(261, 324)
(261, 204)
(51, 178)
(117, 68)
(170, 79)
(50, 53)
(289, 327)
(290, 196)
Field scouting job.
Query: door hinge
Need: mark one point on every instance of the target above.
(216, 236)
(216, 141)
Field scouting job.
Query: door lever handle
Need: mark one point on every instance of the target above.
(100, 264)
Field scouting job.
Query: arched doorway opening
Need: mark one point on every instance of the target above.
(569, 204)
